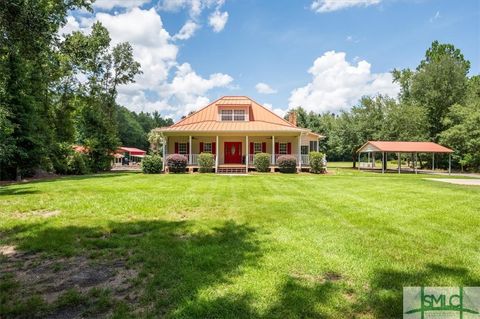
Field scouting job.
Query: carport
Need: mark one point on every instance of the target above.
(371, 148)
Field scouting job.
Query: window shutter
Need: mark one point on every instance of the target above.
(176, 148)
(214, 148)
(289, 148)
(277, 148)
(201, 147)
(251, 148)
(188, 148)
(264, 147)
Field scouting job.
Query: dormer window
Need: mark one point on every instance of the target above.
(232, 115)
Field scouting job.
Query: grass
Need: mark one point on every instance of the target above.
(258, 246)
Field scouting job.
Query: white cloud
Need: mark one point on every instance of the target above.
(71, 25)
(264, 88)
(435, 17)
(352, 39)
(187, 31)
(277, 111)
(195, 7)
(333, 5)
(110, 4)
(167, 86)
(336, 84)
(218, 20)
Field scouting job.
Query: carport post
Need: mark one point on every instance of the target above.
(449, 164)
(433, 161)
(383, 162)
(398, 154)
(359, 160)
(415, 163)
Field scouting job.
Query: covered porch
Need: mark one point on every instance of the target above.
(237, 151)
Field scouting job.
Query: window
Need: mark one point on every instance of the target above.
(257, 148)
(232, 115)
(182, 148)
(207, 147)
(304, 149)
(314, 145)
(226, 115)
(282, 148)
(239, 115)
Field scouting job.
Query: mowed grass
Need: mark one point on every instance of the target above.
(257, 246)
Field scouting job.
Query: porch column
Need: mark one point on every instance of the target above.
(247, 151)
(300, 152)
(164, 153)
(359, 153)
(216, 155)
(190, 149)
(273, 150)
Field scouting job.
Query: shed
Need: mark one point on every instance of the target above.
(385, 147)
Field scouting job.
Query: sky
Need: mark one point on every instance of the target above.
(323, 55)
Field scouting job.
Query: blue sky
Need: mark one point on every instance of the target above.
(321, 54)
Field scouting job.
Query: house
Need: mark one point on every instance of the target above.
(128, 155)
(234, 129)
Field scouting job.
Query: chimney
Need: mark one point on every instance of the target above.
(292, 117)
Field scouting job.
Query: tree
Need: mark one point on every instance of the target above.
(105, 69)
(463, 133)
(29, 31)
(130, 132)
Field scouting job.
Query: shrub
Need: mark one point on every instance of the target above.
(261, 162)
(287, 163)
(177, 163)
(77, 164)
(317, 163)
(206, 161)
(152, 164)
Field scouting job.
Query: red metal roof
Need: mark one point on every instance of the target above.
(131, 150)
(260, 119)
(405, 147)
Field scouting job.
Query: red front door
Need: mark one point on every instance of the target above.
(233, 152)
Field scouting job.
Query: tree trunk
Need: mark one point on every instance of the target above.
(354, 160)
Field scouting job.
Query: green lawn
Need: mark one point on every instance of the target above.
(208, 246)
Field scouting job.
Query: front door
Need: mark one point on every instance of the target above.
(233, 152)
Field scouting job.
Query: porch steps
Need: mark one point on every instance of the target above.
(231, 170)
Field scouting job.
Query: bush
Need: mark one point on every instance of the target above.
(206, 161)
(177, 163)
(317, 163)
(261, 162)
(77, 164)
(152, 164)
(287, 163)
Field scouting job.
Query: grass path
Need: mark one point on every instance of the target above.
(259, 246)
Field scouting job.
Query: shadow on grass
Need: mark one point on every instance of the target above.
(7, 191)
(173, 260)
(385, 296)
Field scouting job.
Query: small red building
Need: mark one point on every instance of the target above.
(129, 154)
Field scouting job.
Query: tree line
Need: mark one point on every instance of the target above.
(59, 91)
(437, 102)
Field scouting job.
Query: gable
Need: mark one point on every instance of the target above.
(254, 111)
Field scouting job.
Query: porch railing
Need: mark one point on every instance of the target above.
(195, 159)
(303, 158)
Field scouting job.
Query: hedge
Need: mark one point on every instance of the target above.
(152, 164)
(206, 161)
(287, 163)
(317, 163)
(261, 162)
(177, 163)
